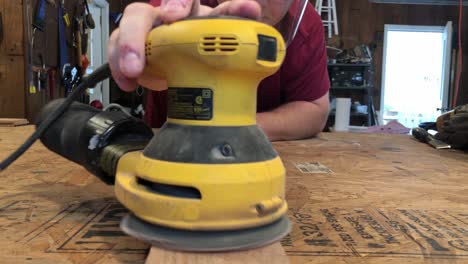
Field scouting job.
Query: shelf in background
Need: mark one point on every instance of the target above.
(350, 64)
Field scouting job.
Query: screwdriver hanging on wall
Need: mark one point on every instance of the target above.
(89, 21)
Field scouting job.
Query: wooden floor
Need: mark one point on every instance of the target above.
(353, 198)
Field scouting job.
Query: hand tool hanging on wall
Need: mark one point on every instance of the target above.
(78, 71)
(65, 66)
(116, 17)
(88, 18)
(51, 81)
(31, 88)
(78, 39)
(38, 80)
(39, 18)
(42, 76)
(75, 77)
(32, 85)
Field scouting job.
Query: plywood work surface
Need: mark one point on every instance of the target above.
(353, 198)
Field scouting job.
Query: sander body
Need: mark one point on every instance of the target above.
(209, 179)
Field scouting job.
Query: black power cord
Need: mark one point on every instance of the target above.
(91, 80)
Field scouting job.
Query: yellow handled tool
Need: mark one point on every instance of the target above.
(210, 179)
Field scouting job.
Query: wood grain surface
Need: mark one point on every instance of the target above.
(354, 198)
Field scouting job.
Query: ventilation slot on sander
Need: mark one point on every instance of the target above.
(170, 190)
(219, 45)
(148, 46)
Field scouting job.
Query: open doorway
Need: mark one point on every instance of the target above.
(415, 73)
(97, 48)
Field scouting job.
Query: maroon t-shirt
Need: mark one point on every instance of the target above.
(303, 75)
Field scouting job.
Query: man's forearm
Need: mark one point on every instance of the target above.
(295, 120)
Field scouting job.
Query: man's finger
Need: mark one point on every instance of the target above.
(123, 82)
(173, 10)
(136, 23)
(242, 8)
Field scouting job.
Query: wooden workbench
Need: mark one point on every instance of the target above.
(354, 198)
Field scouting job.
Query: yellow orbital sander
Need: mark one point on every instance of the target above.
(209, 180)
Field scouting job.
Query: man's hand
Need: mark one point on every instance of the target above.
(127, 43)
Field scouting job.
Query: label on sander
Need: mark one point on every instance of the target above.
(190, 103)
